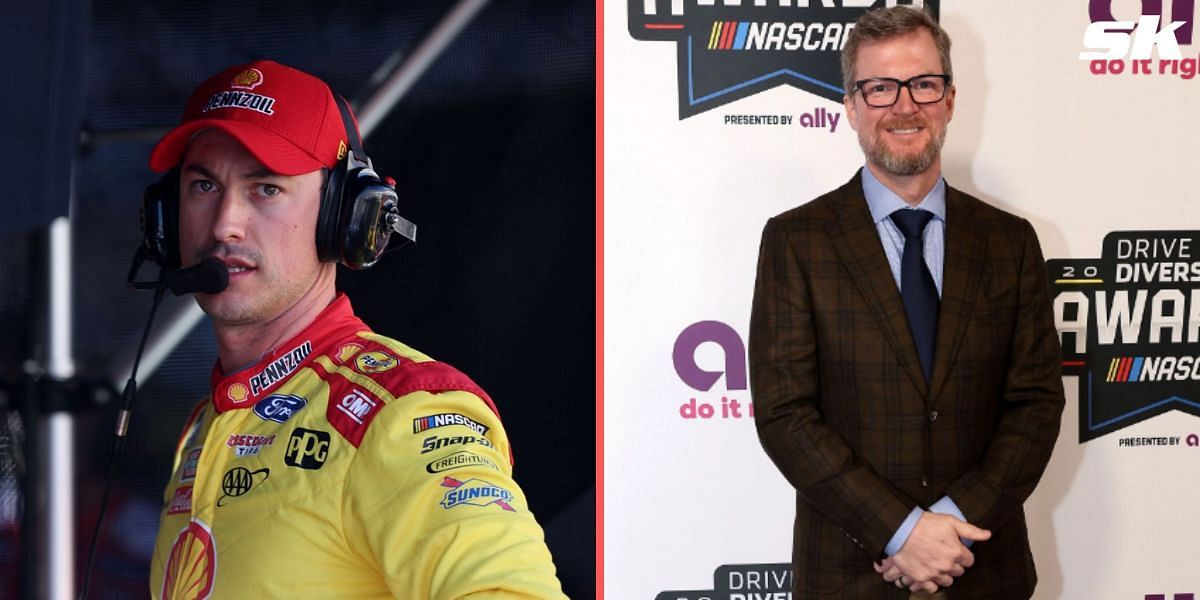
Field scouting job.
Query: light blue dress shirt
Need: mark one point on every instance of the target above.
(882, 202)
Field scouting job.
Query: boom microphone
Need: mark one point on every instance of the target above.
(209, 276)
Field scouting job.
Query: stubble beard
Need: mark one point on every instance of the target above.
(237, 308)
(901, 165)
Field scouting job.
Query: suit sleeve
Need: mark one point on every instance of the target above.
(786, 390)
(1031, 409)
(437, 510)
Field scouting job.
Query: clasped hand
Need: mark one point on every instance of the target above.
(933, 555)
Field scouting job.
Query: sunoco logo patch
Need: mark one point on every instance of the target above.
(475, 492)
(731, 49)
(1129, 322)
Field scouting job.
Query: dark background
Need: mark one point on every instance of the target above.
(493, 151)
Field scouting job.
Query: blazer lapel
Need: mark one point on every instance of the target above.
(961, 275)
(856, 240)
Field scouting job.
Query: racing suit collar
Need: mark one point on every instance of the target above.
(254, 382)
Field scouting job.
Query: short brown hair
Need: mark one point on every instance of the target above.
(887, 23)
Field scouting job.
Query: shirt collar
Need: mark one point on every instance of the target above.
(883, 202)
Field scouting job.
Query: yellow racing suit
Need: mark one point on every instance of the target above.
(346, 465)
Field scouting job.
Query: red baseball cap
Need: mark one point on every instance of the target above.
(286, 118)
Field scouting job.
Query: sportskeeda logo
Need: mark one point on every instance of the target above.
(730, 49)
(1129, 322)
(1117, 47)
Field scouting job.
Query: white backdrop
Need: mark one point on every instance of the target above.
(1034, 132)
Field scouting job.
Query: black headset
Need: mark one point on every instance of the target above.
(358, 211)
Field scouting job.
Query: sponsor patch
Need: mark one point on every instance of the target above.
(237, 393)
(188, 472)
(279, 368)
(441, 420)
(191, 564)
(247, 80)
(475, 492)
(279, 407)
(307, 449)
(193, 433)
(374, 362)
(460, 459)
(238, 481)
(246, 100)
(356, 405)
(434, 442)
(248, 445)
(181, 502)
(347, 351)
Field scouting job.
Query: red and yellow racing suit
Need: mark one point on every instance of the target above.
(347, 465)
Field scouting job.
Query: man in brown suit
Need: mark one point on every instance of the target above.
(903, 358)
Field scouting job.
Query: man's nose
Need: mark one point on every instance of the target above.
(229, 222)
(904, 102)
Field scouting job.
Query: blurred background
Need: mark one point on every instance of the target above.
(492, 144)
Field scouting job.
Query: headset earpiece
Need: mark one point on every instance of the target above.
(160, 220)
(353, 227)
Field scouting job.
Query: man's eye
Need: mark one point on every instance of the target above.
(203, 185)
(269, 190)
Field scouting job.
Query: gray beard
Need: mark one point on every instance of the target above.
(902, 166)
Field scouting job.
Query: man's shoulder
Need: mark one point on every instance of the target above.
(988, 216)
(369, 372)
(820, 211)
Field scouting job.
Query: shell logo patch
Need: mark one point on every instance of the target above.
(237, 392)
(345, 352)
(192, 563)
(374, 362)
(247, 80)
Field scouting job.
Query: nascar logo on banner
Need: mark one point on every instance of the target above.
(729, 49)
(1130, 323)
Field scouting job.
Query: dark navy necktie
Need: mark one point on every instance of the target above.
(916, 284)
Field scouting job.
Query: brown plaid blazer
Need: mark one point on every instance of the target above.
(843, 409)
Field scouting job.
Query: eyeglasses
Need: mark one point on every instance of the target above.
(881, 92)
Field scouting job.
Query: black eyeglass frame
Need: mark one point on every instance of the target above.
(903, 83)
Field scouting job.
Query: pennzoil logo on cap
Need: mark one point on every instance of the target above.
(246, 100)
(247, 80)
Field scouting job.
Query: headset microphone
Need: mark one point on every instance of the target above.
(208, 277)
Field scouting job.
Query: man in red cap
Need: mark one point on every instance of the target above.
(328, 461)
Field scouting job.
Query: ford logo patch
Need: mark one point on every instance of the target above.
(279, 407)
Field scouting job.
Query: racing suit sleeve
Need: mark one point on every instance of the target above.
(431, 502)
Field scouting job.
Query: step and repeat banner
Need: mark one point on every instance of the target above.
(1079, 115)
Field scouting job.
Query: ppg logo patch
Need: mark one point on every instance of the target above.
(307, 449)
(279, 407)
(475, 492)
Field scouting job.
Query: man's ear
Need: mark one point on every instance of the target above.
(851, 111)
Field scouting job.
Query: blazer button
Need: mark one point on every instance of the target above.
(933, 416)
(924, 481)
